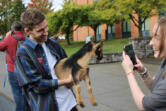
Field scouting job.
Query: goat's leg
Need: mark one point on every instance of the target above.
(78, 96)
(88, 87)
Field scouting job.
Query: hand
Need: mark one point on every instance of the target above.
(127, 63)
(139, 66)
(8, 33)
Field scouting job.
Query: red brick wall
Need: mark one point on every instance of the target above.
(118, 30)
(134, 29)
(103, 34)
(152, 22)
(82, 32)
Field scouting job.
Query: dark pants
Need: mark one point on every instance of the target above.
(19, 98)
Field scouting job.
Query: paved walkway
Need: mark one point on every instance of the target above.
(110, 86)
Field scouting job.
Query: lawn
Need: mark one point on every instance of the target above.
(115, 45)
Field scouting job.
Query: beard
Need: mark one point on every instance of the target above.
(39, 39)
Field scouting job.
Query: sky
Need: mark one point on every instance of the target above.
(57, 4)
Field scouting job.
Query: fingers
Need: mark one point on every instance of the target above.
(137, 60)
(123, 55)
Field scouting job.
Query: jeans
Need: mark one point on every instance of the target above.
(19, 98)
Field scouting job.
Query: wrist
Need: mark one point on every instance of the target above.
(144, 74)
(129, 73)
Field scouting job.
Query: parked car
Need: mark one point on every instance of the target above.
(62, 37)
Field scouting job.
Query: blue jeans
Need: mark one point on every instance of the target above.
(19, 98)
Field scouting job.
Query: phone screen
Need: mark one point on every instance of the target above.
(130, 52)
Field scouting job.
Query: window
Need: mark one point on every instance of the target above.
(126, 29)
(111, 28)
(126, 26)
(145, 25)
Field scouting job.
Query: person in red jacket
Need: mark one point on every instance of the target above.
(9, 44)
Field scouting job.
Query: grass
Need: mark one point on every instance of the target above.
(115, 45)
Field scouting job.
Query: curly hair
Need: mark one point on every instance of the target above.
(32, 17)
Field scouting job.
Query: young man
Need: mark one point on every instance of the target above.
(156, 100)
(43, 90)
(9, 44)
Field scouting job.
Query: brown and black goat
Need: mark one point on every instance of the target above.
(77, 64)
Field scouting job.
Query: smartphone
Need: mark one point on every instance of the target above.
(130, 52)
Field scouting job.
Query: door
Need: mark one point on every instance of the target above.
(110, 32)
(126, 29)
(145, 28)
(98, 33)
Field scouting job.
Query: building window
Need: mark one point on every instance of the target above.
(111, 28)
(98, 33)
(126, 26)
(110, 32)
(145, 25)
(145, 28)
(126, 29)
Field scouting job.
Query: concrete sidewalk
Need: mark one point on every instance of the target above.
(110, 86)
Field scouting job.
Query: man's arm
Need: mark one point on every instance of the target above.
(28, 74)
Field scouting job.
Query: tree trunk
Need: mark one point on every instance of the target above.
(67, 38)
(140, 28)
(94, 34)
(94, 27)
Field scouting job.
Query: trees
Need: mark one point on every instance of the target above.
(5, 8)
(44, 6)
(9, 11)
(64, 20)
(16, 10)
(102, 12)
(144, 9)
(91, 15)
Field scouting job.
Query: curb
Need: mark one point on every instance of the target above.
(7, 97)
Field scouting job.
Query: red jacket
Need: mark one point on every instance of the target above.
(9, 44)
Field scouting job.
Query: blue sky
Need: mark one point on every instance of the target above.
(56, 3)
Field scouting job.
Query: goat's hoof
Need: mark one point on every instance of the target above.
(94, 103)
(82, 104)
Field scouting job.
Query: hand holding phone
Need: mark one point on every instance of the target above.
(130, 52)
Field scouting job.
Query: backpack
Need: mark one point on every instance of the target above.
(20, 41)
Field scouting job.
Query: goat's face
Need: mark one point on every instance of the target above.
(97, 50)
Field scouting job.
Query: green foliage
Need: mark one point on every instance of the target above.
(16, 10)
(54, 22)
(5, 8)
(64, 20)
(92, 15)
(10, 10)
(143, 8)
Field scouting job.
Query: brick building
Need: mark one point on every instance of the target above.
(122, 29)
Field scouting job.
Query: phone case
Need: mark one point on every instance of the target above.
(130, 52)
